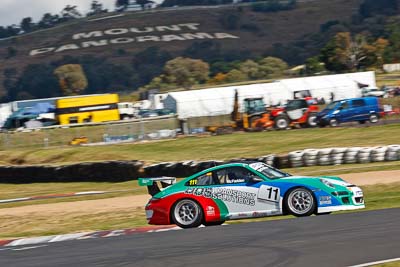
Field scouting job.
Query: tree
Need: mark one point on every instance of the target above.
(186, 72)
(251, 69)
(96, 8)
(71, 78)
(10, 80)
(218, 78)
(48, 20)
(70, 12)
(27, 24)
(236, 76)
(38, 81)
(149, 63)
(271, 67)
(121, 3)
(344, 53)
(373, 7)
(313, 66)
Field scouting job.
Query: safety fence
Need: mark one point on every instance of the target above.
(95, 134)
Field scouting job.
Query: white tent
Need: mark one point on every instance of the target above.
(219, 101)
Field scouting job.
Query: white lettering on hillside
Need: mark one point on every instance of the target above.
(94, 43)
(138, 39)
(117, 31)
(87, 35)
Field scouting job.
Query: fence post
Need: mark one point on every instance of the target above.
(142, 129)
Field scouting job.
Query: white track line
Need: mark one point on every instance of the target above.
(375, 262)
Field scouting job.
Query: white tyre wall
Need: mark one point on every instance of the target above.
(350, 156)
(310, 157)
(324, 157)
(364, 155)
(378, 153)
(296, 158)
(393, 153)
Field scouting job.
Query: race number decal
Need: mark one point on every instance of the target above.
(269, 193)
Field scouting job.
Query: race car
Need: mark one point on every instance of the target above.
(245, 190)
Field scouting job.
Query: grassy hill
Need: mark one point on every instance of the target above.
(258, 33)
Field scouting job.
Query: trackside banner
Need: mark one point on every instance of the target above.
(178, 32)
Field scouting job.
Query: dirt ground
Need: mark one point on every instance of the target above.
(133, 202)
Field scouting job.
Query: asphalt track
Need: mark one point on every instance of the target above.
(329, 240)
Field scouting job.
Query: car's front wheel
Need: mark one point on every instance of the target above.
(300, 202)
(187, 213)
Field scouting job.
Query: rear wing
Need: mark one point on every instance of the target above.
(152, 185)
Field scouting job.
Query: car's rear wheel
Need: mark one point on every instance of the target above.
(213, 223)
(281, 122)
(187, 213)
(300, 202)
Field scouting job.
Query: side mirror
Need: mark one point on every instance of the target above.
(255, 179)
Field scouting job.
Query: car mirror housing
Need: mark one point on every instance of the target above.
(256, 179)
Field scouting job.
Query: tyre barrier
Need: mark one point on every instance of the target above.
(324, 156)
(296, 158)
(351, 154)
(392, 153)
(364, 155)
(337, 155)
(310, 157)
(108, 171)
(378, 153)
(268, 159)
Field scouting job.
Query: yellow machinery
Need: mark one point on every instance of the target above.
(254, 118)
(95, 108)
(79, 141)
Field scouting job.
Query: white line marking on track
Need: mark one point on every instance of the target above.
(375, 262)
(28, 248)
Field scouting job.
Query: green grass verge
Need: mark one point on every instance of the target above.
(215, 147)
(377, 197)
(389, 264)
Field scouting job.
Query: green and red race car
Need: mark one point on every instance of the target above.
(245, 190)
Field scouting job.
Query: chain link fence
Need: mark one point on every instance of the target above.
(138, 130)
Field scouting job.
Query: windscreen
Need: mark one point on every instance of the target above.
(268, 171)
(332, 105)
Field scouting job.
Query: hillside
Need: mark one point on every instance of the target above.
(228, 32)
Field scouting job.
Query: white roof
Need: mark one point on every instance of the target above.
(219, 100)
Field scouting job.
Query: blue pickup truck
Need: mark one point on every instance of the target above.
(347, 110)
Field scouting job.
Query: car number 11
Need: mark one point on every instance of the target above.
(269, 193)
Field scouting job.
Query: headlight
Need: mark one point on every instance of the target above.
(327, 183)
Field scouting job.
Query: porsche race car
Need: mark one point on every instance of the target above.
(245, 190)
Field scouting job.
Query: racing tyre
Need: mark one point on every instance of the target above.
(373, 118)
(333, 122)
(281, 122)
(300, 202)
(186, 213)
(213, 223)
(312, 120)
